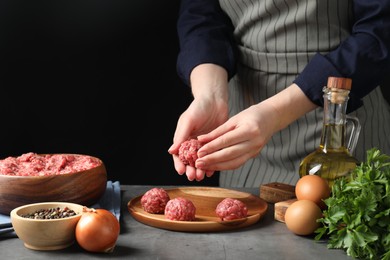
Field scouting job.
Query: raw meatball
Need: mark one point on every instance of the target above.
(188, 151)
(229, 209)
(180, 209)
(155, 200)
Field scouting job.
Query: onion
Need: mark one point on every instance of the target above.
(97, 230)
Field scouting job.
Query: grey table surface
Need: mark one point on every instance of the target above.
(266, 239)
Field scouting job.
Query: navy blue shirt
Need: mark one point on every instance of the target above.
(206, 36)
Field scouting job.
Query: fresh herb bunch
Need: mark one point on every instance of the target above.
(357, 217)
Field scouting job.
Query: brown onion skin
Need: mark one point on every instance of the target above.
(97, 230)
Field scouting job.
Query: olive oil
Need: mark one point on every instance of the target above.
(333, 158)
(333, 162)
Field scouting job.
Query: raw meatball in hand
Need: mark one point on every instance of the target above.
(229, 209)
(188, 151)
(155, 200)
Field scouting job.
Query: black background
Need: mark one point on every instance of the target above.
(93, 77)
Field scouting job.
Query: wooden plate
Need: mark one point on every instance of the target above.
(205, 200)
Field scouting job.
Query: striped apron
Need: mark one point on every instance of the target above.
(276, 40)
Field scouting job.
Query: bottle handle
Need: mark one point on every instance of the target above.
(353, 139)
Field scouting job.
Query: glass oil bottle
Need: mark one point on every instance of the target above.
(333, 158)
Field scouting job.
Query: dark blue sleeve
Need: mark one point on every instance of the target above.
(205, 36)
(364, 56)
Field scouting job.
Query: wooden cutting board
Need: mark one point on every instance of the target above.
(283, 195)
(280, 209)
(275, 191)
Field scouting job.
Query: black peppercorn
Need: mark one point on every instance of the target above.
(50, 213)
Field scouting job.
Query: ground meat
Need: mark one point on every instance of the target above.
(181, 209)
(188, 151)
(155, 200)
(229, 209)
(32, 164)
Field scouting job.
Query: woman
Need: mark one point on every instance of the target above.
(256, 71)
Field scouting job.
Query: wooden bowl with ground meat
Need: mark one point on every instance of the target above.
(32, 178)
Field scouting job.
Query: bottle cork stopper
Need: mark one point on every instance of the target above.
(339, 89)
(340, 83)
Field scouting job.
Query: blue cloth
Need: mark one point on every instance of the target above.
(111, 200)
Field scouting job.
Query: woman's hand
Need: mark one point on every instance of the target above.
(208, 110)
(241, 138)
(244, 135)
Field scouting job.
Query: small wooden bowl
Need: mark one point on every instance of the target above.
(46, 234)
(83, 187)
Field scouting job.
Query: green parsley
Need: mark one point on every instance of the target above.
(357, 217)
